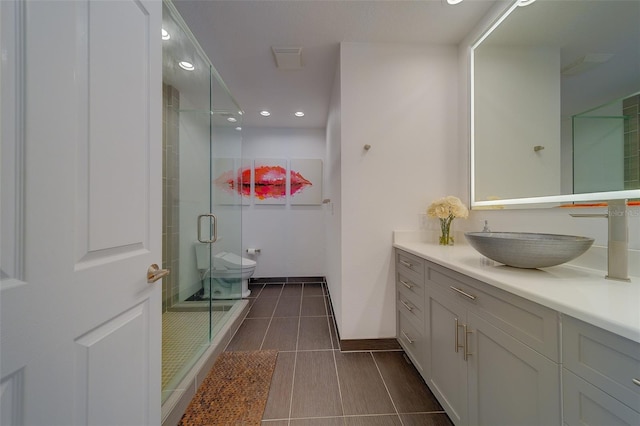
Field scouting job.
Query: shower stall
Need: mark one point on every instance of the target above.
(202, 204)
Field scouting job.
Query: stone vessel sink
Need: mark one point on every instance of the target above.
(528, 250)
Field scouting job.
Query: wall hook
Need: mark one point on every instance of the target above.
(538, 148)
(367, 147)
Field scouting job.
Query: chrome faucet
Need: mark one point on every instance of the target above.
(618, 239)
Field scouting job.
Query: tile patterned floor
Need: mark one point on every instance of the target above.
(184, 337)
(314, 384)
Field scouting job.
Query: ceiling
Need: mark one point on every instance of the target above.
(237, 36)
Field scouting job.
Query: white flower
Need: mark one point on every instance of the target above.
(448, 207)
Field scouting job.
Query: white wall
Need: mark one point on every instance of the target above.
(401, 100)
(291, 238)
(332, 179)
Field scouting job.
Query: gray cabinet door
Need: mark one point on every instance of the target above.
(509, 383)
(585, 404)
(447, 369)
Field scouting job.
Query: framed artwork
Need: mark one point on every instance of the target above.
(306, 182)
(231, 181)
(270, 181)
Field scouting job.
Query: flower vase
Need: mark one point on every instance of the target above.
(446, 239)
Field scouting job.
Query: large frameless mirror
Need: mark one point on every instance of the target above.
(554, 101)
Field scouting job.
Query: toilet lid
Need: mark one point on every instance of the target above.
(232, 260)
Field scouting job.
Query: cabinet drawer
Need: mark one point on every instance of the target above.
(411, 265)
(585, 404)
(413, 310)
(412, 341)
(606, 360)
(411, 287)
(529, 322)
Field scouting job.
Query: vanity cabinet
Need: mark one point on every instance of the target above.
(601, 376)
(410, 307)
(446, 371)
(489, 357)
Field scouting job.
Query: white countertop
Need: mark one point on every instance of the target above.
(579, 292)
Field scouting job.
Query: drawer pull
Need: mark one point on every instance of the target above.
(464, 293)
(406, 284)
(636, 381)
(406, 305)
(407, 337)
(405, 263)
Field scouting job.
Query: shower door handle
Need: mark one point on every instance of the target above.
(214, 237)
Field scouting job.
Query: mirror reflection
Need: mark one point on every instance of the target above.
(555, 102)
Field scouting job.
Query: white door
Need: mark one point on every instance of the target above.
(81, 212)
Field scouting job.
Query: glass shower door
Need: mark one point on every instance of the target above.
(226, 200)
(197, 136)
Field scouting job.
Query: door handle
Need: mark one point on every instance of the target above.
(154, 273)
(457, 341)
(466, 342)
(215, 228)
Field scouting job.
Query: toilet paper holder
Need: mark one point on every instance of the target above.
(253, 250)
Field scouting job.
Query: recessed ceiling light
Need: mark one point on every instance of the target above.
(299, 114)
(231, 119)
(188, 66)
(240, 112)
(454, 1)
(238, 128)
(265, 113)
(165, 35)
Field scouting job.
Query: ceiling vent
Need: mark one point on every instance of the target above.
(288, 58)
(586, 63)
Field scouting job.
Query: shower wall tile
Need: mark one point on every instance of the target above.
(170, 192)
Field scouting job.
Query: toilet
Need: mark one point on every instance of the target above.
(230, 273)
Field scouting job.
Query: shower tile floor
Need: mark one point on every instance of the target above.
(316, 384)
(184, 334)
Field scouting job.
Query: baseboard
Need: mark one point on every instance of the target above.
(351, 345)
(285, 280)
(359, 345)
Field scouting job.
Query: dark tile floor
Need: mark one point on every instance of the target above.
(316, 384)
